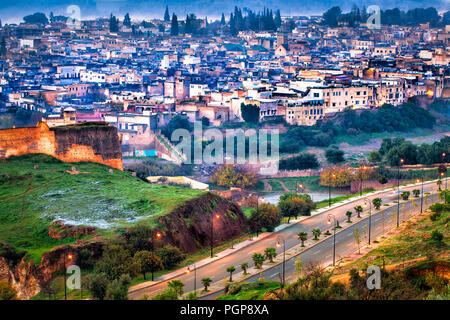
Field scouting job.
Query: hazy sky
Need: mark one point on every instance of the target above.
(14, 10)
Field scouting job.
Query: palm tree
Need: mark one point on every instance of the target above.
(302, 236)
(231, 269)
(206, 283)
(377, 203)
(258, 259)
(439, 183)
(270, 253)
(349, 215)
(358, 210)
(244, 267)
(316, 233)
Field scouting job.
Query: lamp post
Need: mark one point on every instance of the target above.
(366, 200)
(284, 257)
(217, 216)
(361, 179)
(398, 191)
(188, 270)
(329, 189)
(157, 236)
(443, 160)
(70, 257)
(331, 216)
(421, 195)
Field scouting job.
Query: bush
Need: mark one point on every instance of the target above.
(265, 216)
(437, 236)
(334, 154)
(300, 162)
(170, 256)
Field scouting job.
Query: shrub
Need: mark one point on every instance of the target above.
(437, 236)
(405, 195)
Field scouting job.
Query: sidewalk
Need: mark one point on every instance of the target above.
(243, 244)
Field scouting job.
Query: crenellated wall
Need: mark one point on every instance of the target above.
(96, 142)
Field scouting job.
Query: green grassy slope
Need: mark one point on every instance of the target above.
(30, 199)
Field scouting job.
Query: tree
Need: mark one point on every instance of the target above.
(266, 215)
(231, 269)
(127, 20)
(148, 262)
(233, 176)
(377, 203)
(36, 18)
(170, 256)
(383, 180)
(118, 288)
(298, 267)
(342, 177)
(222, 20)
(302, 236)
(302, 161)
(316, 233)
(113, 23)
(358, 210)
(250, 113)
(166, 14)
(6, 291)
(416, 193)
(174, 25)
(334, 155)
(138, 236)
(278, 19)
(177, 122)
(3, 50)
(116, 261)
(374, 157)
(258, 259)
(177, 286)
(292, 205)
(349, 216)
(97, 284)
(357, 237)
(270, 253)
(330, 17)
(206, 283)
(244, 267)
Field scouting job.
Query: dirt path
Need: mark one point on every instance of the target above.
(283, 186)
(267, 186)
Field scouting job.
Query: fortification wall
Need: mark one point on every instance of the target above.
(96, 143)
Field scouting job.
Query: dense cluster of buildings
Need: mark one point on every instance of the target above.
(138, 79)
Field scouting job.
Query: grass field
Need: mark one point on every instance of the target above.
(31, 199)
(310, 184)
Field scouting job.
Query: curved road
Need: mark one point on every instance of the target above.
(217, 269)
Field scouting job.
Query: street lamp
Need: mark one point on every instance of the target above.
(443, 160)
(188, 270)
(331, 216)
(365, 204)
(70, 257)
(329, 190)
(158, 236)
(284, 256)
(217, 216)
(398, 191)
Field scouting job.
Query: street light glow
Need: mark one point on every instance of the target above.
(158, 235)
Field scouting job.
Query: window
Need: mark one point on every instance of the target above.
(316, 94)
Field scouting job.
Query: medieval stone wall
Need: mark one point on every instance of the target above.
(95, 142)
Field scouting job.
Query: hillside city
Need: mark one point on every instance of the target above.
(99, 185)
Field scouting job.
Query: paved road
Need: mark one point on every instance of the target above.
(217, 269)
(322, 253)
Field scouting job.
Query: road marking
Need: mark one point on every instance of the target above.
(350, 234)
(273, 275)
(315, 252)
